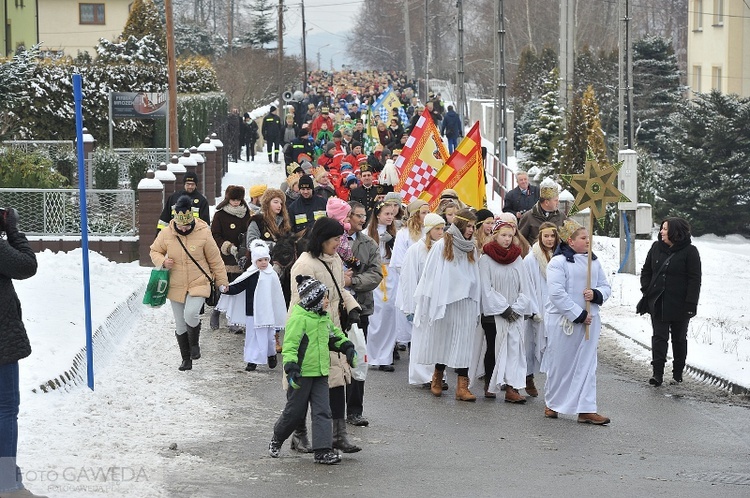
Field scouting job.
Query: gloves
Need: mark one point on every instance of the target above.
(692, 308)
(9, 220)
(351, 357)
(410, 318)
(510, 315)
(293, 375)
(354, 316)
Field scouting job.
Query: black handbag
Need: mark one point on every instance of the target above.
(214, 296)
(343, 314)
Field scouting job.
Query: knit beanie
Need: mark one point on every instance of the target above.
(258, 250)
(338, 209)
(183, 210)
(311, 293)
(305, 182)
(482, 215)
(257, 190)
(415, 205)
(329, 146)
(190, 177)
(351, 179)
(431, 221)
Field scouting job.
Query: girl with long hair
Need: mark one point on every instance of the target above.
(447, 305)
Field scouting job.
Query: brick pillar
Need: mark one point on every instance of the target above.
(190, 165)
(167, 178)
(221, 163)
(179, 172)
(209, 169)
(89, 145)
(199, 169)
(150, 202)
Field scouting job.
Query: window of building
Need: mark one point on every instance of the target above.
(697, 15)
(718, 12)
(716, 78)
(697, 79)
(91, 13)
(20, 4)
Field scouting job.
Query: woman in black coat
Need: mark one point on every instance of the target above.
(670, 283)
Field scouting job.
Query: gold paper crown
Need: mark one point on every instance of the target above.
(548, 189)
(184, 218)
(568, 228)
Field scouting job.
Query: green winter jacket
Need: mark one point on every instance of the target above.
(308, 339)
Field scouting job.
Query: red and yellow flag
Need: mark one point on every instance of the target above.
(423, 154)
(463, 172)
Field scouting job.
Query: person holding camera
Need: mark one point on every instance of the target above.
(17, 262)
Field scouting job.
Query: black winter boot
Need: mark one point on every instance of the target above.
(658, 377)
(194, 335)
(184, 343)
(300, 442)
(327, 457)
(214, 320)
(340, 437)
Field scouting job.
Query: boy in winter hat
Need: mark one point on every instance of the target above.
(307, 369)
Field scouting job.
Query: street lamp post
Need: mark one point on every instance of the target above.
(319, 48)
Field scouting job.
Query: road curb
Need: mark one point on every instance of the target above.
(693, 371)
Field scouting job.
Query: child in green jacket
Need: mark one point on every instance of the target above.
(310, 335)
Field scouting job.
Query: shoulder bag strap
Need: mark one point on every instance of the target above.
(194, 261)
(334, 281)
(659, 271)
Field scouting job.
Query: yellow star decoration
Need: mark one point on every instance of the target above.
(595, 187)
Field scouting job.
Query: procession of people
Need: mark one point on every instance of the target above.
(498, 297)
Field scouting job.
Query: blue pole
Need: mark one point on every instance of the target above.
(78, 95)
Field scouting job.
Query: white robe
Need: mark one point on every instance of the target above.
(570, 360)
(409, 278)
(400, 247)
(447, 308)
(535, 337)
(503, 286)
(382, 330)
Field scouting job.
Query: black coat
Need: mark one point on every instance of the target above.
(516, 201)
(17, 261)
(248, 285)
(451, 126)
(674, 295)
(272, 128)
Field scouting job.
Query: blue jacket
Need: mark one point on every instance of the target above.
(451, 125)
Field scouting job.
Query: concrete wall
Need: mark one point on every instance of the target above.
(483, 110)
(60, 27)
(22, 23)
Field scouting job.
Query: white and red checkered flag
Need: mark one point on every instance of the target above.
(420, 175)
(422, 156)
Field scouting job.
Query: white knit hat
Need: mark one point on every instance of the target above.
(431, 221)
(258, 250)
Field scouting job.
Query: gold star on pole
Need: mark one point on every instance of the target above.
(595, 187)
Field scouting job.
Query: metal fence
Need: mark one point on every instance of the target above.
(58, 211)
(50, 148)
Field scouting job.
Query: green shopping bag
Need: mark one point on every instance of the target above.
(156, 290)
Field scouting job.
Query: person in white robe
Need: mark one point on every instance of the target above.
(506, 296)
(535, 338)
(570, 359)
(411, 271)
(255, 300)
(382, 331)
(447, 305)
(406, 236)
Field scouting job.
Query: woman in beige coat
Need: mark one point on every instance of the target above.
(322, 262)
(188, 286)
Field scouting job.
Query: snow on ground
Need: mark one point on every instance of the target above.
(72, 439)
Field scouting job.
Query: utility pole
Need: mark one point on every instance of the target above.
(230, 24)
(627, 177)
(567, 52)
(426, 50)
(461, 104)
(407, 42)
(174, 143)
(304, 49)
(501, 132)
(280, 54)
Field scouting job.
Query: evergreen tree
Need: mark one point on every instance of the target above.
(145, 20)
(533, 69)
(14, 88)
(600, 72)
(540, 144)
(707, 177)
(584, 132)
(262, 29)
(656, 92)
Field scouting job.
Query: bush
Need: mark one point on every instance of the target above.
(106, 168)
(137, 168)
(19, 169)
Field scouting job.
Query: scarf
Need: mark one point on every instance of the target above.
(500, 254)
(459, 242)
(569, 253)
(541, 259)
(239, 211)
